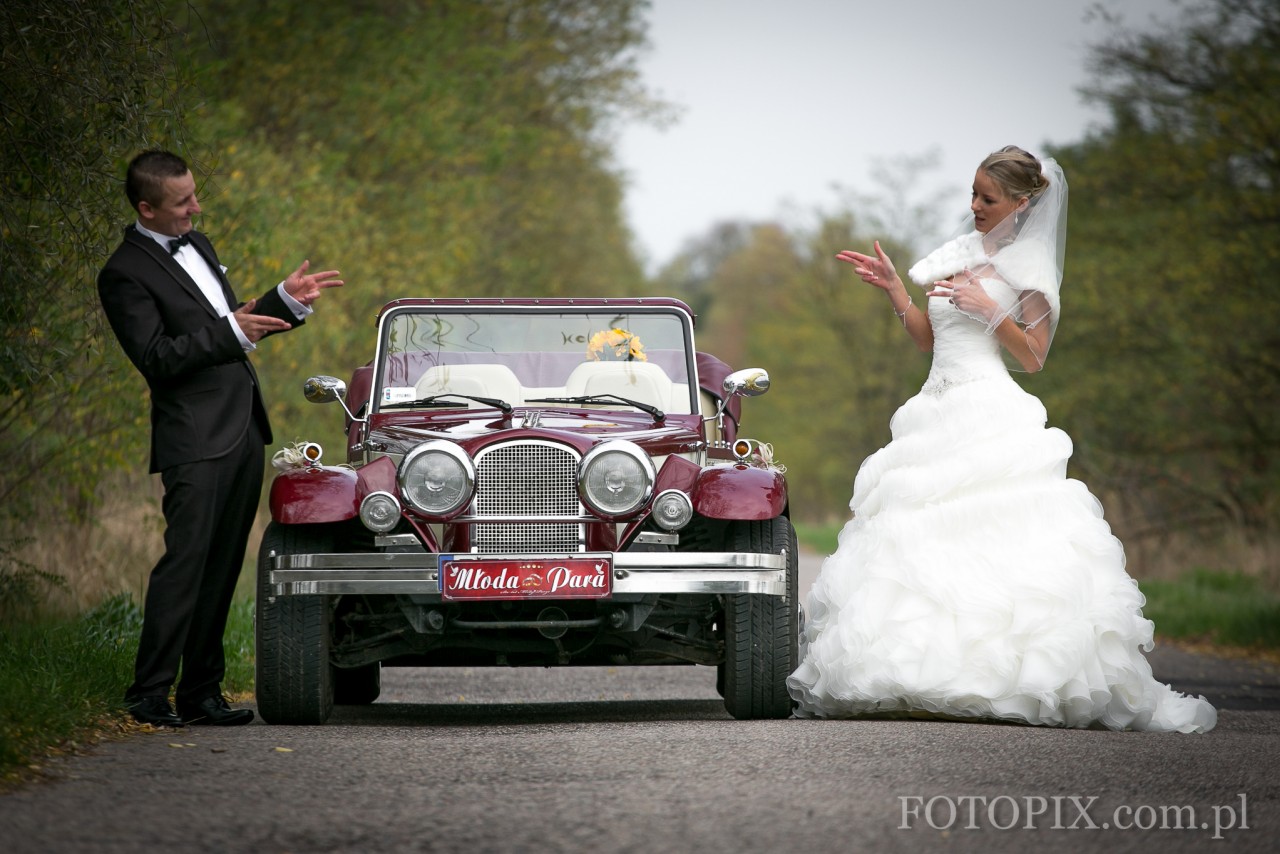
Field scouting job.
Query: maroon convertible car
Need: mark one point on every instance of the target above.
(529, 483)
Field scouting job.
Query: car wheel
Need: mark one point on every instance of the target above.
(293, 674)
(760, 632)
(357, 686)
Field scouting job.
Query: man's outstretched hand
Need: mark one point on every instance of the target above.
(256, 326)
(306, 287)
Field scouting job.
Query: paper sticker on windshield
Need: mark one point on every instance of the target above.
(399, 394)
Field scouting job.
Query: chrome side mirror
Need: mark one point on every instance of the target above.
(749, 382)
(324, 389)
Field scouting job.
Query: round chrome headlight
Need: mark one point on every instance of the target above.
(672, 510)
(615, 479)
(437, 478)
(380, 511)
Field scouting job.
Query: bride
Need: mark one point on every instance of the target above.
(975, 579)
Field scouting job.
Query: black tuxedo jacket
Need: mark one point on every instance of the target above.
(203, 388)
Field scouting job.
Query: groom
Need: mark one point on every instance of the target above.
(172, 309)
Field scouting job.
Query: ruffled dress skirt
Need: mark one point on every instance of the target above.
(976, 581)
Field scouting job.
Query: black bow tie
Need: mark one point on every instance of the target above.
(178, 242)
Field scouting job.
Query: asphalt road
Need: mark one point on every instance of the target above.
(646, 760)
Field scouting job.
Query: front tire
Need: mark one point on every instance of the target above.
(294, 636)
(761, 633)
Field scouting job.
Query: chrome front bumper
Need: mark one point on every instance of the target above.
(373, 573)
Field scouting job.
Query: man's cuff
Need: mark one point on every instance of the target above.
(247, 345)
(299, 310)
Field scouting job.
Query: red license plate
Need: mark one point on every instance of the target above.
(464, 578)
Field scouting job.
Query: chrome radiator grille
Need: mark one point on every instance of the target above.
(527, 479)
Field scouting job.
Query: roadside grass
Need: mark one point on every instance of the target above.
(62, 678)
(238, 645)
(818, 538)
(1223, 608)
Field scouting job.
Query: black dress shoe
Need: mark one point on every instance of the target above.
(214, 711)
(155, 711)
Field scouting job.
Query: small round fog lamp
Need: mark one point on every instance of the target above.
(380, 511)
(672, 510)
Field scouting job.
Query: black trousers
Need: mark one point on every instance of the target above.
(209, 508)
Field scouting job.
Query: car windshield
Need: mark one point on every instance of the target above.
(522, 355)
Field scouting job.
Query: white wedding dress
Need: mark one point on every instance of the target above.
(975, 579)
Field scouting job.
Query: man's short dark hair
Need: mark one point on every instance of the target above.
(144, 181)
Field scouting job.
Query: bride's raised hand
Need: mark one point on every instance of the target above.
(877, 272)
(968, 295)
(964, 290)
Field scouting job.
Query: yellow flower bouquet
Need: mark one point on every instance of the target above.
(616, 344)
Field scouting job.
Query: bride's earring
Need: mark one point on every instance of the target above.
(1017, 219)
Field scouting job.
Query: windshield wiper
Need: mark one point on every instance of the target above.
(435, 400)
(658, 414)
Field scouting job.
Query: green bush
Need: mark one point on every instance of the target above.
(23, 587)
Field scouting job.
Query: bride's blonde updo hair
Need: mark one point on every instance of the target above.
(1016, 171)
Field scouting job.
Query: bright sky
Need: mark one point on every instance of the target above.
(784, 100)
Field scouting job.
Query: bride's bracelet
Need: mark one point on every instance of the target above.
(902, 315)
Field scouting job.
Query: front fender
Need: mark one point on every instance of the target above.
(740, 492)
(328, 493)
(313, 494)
